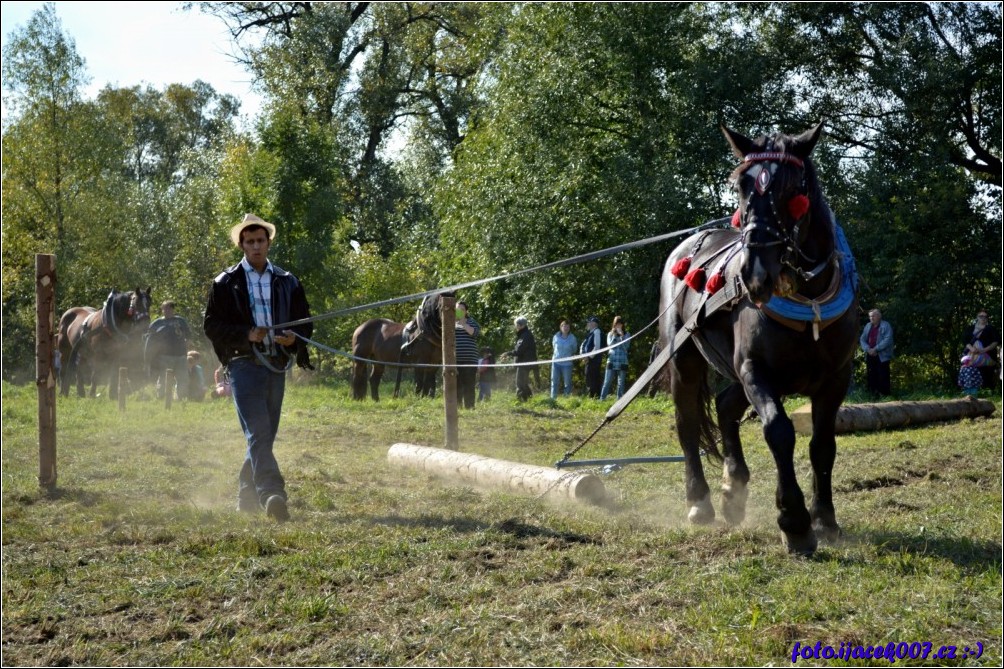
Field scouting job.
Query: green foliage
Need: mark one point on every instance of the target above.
(456, 141)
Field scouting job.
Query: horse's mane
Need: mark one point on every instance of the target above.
(429, 320)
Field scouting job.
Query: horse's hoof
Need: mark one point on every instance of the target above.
(802, 545)
(827, 533)
(734, 502)
(701, 513)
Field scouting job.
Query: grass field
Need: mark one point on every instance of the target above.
(139, 557)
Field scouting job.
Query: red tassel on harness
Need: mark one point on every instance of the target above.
(695, 279)
(736, 223)
(715, 283)
(680, 267)
(797, 206)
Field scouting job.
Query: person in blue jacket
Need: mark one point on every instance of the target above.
(565, 345)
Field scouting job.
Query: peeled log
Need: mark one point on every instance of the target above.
(867, 417)
(492, 473)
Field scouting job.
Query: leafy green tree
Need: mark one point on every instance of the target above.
(51, 152)
(914, 78)
(600, 127)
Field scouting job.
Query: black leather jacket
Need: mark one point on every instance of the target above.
(526, 346)
(228, 317)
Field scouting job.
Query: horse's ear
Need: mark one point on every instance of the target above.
(741, 145)
(806, 142)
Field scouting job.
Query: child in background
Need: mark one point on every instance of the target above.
(486, 373)
(970, 379)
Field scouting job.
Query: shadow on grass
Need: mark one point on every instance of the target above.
(85, 498)
(517, 529)
(973, 557)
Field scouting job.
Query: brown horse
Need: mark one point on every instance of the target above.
(93, 342)
(380, 339)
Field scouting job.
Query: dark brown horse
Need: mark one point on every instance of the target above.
(380, 340)
(771, 304)
(93, 342)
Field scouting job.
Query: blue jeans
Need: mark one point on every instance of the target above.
(608, 382)
(561, 377)
(258, 394)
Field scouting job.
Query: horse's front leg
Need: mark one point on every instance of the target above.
(823, 453)
(779, 432)
(688, 370)
(730, 405)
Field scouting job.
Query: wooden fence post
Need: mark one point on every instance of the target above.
(448, 317)
(45, 327)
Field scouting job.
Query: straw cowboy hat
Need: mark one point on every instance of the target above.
(250, 219)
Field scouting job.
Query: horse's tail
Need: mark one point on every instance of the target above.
(63, 334)
(709, 433)
(359, 367)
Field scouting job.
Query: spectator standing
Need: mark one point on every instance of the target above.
(982, 344)
(563, 345)
(466, 347)
(525, 351)
(593, 341)
(617, 358)
(170, 335)
(245, 301)
(876, 342)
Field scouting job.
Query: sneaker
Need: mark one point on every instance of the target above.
(275, 507)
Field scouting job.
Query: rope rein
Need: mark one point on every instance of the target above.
(538, 363)
(508, 275)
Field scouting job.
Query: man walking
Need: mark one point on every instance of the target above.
(245, 301)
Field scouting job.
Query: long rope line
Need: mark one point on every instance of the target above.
(547, 361)
(507, 275)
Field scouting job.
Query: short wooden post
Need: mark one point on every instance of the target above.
(168, 388)
(45, 373)
(123, 380)
(448, 317)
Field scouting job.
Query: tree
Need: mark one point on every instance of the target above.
(47, 165)
(360, 71)
(599, 127)
(915, 78)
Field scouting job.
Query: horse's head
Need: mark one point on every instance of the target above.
(139, 305)
(778, 198)
(430, 322)
(130, 310)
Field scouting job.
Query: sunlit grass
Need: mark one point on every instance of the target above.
(138, 557)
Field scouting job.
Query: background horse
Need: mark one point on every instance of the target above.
(381, 339)
(93, 342)
(784, 244)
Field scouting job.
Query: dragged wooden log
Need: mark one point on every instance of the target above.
(885, 415)
(491, 473)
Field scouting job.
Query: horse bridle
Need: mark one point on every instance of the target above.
(138, 310)
(762, 166)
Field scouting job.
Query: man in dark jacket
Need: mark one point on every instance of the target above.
(245, 301)
(524, 351)
(593, 341)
